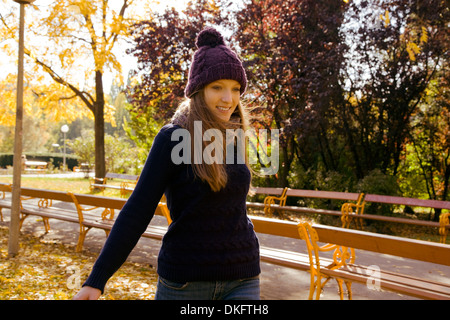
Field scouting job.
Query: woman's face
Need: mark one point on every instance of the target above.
(222, 97)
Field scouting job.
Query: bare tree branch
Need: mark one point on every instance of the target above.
(83, 95)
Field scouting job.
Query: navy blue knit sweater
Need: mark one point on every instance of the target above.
(210, 238)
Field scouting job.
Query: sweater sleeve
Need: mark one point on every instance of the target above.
(138, 211)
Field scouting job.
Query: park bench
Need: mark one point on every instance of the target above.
(298, 260)
(85, 203)
(271, 200)
(88, 211)
(127, 183)
(39, 203)
(35, 166)
(4, 189)
(85, 168)
(343, 268)
(353, 209)
(266, 192)
(391, 245)
(275, 200)
(443, 224)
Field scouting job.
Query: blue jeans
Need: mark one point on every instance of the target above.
(243, 289)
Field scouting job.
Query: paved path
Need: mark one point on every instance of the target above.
(277, 283)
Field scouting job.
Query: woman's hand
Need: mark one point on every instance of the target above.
(87, 293)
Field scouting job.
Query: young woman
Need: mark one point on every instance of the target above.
(210, 250)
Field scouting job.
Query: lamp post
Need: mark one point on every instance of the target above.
(64, 129)
(13, 244)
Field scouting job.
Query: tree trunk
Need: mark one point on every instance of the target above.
(285, 166)
(14, 223)
(100, 167)
(437, 212)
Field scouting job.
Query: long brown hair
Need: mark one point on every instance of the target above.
(195, 109)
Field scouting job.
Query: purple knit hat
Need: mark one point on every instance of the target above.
(213, 61)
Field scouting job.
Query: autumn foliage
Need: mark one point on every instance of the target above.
(345, 82)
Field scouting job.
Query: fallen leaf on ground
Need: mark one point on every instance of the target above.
(53, 271)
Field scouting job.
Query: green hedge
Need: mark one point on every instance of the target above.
(6, 159)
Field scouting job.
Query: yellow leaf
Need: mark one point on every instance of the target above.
(414, 47)
(410, 53)
(424, 36)
(385, 18)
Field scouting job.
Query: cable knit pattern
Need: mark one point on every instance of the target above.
(210, 238)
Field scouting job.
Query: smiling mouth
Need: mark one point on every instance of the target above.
(223, 108)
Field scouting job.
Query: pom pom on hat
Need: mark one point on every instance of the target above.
(209, 37)
(212, 61)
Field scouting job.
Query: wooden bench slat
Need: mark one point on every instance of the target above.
(111, 175)
(281, 228)
(415, 282)
(397, 278)
(323, 194)
(285, 258)
(5, 187)
(101, 183)
(402, 285)
(403, 247)
(155, 232)
(100, 201)
(308, 193)
(267, 191)
(63, 215)
(258, 205)
(111, 186)
(45, 194)
(407, 201)
(105, 186)
(308, 210)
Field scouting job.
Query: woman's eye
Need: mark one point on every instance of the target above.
(216, 87)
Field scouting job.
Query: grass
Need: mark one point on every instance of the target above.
(75, 185)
